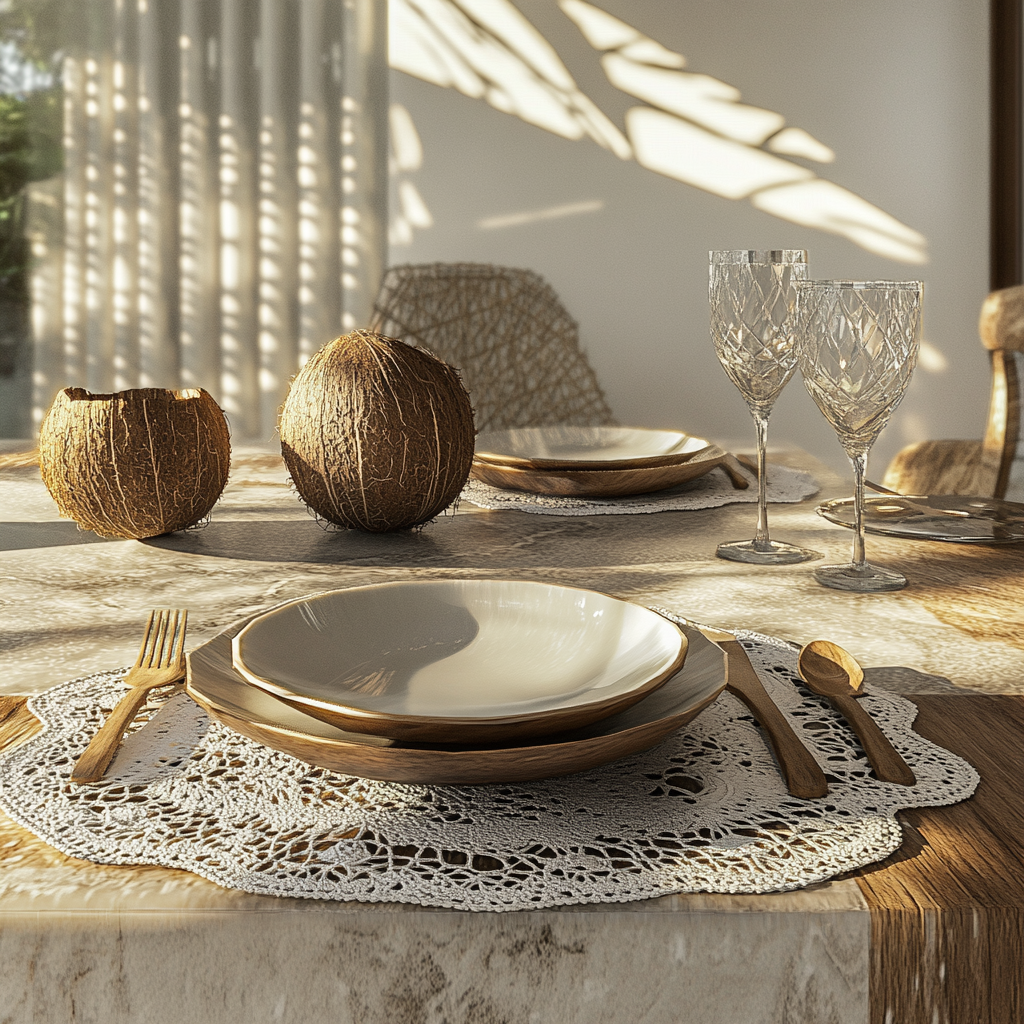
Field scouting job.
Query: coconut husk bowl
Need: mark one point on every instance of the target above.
(137, 463)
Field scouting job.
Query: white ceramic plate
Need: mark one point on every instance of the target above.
(565, 447)
(220, 690)
(459, 660)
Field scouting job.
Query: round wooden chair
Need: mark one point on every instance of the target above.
(517, 348)
(976, 467)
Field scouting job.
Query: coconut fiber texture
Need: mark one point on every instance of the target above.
(137, 463)
(517, 348)
(377, 435)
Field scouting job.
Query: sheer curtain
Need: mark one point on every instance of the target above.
(223, 207)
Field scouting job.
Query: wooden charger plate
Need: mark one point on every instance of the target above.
(602, 483)
(215, 686)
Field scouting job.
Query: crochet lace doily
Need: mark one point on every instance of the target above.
(706, 811)
(708, 491)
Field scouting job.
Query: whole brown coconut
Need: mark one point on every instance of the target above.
(376, 434)
(137, 463)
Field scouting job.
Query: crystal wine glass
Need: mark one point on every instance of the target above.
(858, 343)
(752, 325)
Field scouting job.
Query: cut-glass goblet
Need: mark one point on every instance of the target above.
(752, 295)
(858, 344)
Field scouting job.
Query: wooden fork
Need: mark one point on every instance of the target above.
(161, 662)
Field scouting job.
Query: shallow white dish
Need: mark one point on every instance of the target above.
(567, 447)
(459, 660)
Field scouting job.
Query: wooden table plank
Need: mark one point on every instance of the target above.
(975, 588)
(947, 910)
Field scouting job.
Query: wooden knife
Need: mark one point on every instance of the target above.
(803, 775)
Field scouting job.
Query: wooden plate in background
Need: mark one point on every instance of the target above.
(599, 483)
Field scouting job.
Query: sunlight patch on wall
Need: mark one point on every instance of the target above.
(829, 207)
(514, 220)
(703, 100)
(410, 211)
(406, 147)
(414, 209)
(931, 359)
(797, 142)
(694, 130)
(673, 147)
(487, 50)
(606, 32)
(703, 136)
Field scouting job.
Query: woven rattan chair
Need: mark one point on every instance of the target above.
(506, 331)
(976, 467)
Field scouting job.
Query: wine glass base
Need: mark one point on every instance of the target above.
(866, 578)
(776, 552)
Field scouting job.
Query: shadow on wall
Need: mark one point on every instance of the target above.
(693, 129)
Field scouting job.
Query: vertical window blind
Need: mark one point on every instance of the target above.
(223, 207)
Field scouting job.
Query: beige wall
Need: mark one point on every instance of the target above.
(898, 88)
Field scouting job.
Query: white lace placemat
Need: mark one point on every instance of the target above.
(708, 491)
(706, 811)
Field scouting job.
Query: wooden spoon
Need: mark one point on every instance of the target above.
(832, 672)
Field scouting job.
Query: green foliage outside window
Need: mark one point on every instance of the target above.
(33, 35)
(30, 150)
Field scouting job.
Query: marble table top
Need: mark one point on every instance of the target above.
(85, 942)
(74, 604)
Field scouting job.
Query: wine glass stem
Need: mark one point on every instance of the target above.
(762, 542)
(860, 469)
